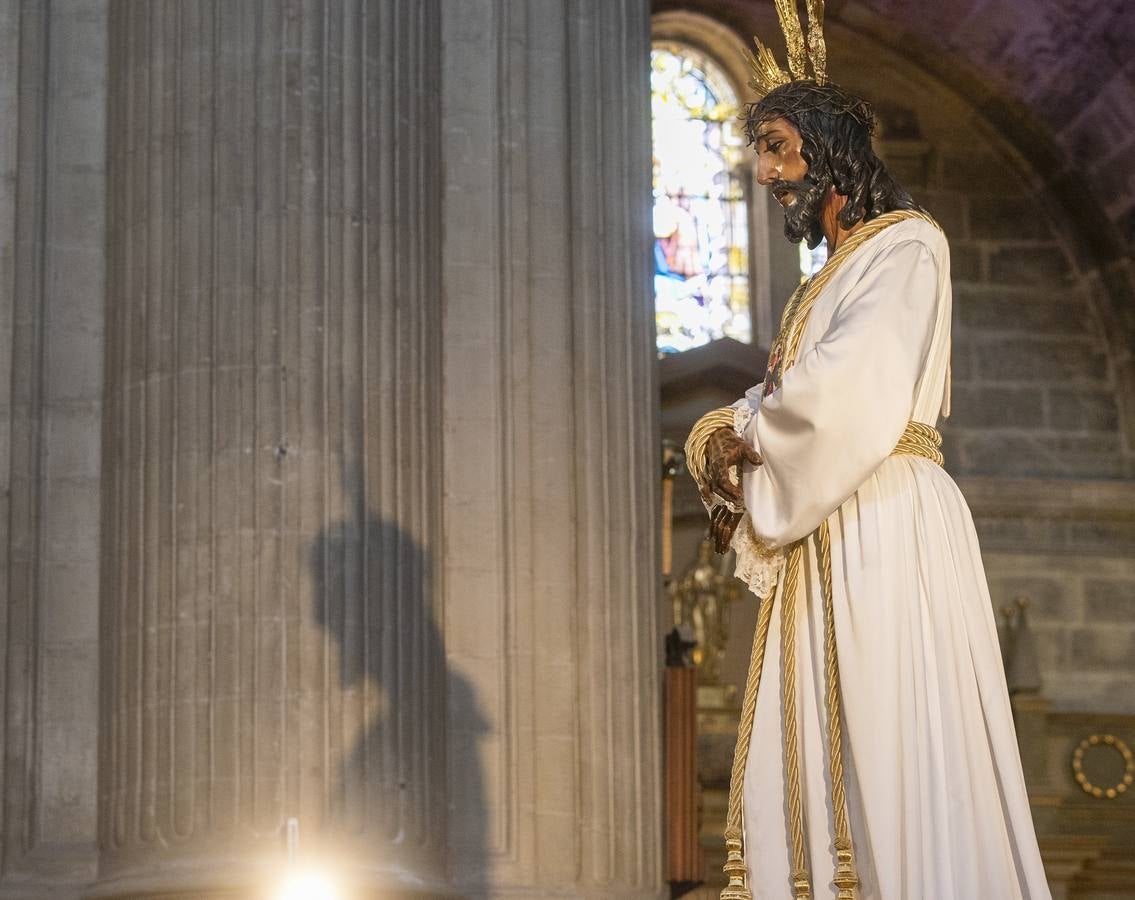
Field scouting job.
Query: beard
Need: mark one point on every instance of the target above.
(802, 218)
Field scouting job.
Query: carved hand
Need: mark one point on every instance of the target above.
(722, 524)
(723, 451)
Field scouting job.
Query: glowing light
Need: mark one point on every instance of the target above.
(811, 261)
(309, 884)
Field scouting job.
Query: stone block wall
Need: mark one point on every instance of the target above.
(1035, 387)
(1082, 614)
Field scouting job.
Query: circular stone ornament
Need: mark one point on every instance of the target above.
(1103, 740)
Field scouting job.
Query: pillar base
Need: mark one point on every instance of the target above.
(262, 881)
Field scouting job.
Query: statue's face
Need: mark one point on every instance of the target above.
(779, 156)
(781, 168)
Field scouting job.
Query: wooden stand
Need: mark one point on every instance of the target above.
(684, 853)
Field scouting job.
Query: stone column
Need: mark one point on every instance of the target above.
(52, 210)
(270, 646)
(551, 449)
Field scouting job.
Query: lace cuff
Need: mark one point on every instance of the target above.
(758, 565)
(742, 414)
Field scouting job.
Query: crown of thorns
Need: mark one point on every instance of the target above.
(805, 95)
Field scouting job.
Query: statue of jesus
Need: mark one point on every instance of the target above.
(876, 756)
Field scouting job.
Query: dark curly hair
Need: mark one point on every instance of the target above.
(836, 128)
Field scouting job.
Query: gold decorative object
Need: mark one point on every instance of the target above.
(817, 46)
(1103, 740)
(737, 889)
(767, 74)
(793, 38)
(701, 598)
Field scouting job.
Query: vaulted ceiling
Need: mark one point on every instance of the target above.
(1070, 64)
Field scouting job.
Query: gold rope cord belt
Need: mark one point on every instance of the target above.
(917, 440)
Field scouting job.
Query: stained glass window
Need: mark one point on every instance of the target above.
(701, 223)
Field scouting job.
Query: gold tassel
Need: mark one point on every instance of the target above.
(735, 866)
(737, 871)
(846, 878)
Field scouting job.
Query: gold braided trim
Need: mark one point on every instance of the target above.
(786, 344)
(699, 437)
(920, 439)
(735, 864)
(821, 279)
(735, 867)
(801, 885)
(846, 878)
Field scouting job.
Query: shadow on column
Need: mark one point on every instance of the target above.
(388, 794)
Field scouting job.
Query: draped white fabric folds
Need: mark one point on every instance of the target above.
(936, 795)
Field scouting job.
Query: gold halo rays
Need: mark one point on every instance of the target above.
(802, 51)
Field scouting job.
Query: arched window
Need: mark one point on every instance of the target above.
(701, 218)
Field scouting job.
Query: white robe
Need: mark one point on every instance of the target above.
(936, 796)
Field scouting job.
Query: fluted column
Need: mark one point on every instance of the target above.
(52, 171)
(269, 640)
(551, 448)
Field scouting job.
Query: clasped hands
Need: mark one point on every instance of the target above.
(723, 452)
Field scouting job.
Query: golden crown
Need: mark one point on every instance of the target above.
(767, 75)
